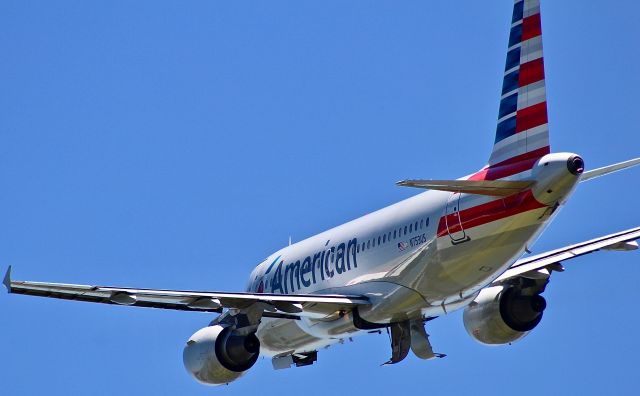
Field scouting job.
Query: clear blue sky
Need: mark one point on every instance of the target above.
(174, 144)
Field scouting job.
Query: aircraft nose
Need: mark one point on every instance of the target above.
(575, 164)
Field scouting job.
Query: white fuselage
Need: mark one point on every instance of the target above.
(424, 256)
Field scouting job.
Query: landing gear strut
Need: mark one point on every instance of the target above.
(410, 334)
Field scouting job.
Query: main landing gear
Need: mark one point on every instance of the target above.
(410, 334)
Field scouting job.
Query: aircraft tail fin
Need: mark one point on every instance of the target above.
(522, 133)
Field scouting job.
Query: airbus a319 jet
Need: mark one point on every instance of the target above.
(458, 245)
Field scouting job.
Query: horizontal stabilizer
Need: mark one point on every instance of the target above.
(592, 174)
(494, 188)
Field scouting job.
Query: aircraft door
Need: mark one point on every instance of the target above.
(453, 221)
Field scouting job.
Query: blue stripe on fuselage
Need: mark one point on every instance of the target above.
(272, 264)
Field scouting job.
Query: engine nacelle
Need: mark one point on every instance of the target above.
(501, 315)
(217, 355)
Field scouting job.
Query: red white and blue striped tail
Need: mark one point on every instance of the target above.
(522, 135)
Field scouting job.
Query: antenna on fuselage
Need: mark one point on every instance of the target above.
(289, 240)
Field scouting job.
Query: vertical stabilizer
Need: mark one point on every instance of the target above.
(522, 134)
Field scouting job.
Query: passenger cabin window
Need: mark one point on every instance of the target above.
(384, 239)
(394, 233)
(369, 244)
(421, 223)
(378, 240)
(405, 230)
(410, 228)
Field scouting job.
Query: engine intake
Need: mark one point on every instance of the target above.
(502, 315)
(218, 355)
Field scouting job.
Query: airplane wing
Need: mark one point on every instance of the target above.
(290, 306)
(620, 241)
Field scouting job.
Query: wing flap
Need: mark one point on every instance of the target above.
(495, 188)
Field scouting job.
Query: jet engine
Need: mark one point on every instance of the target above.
(503, 314)
(217, 355)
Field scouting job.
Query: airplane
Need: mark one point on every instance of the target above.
(460, 245)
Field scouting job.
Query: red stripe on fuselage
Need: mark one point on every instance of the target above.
(511, 166)
(489, 212)
(531, 27)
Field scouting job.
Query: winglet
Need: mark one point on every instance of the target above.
(7, 279)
